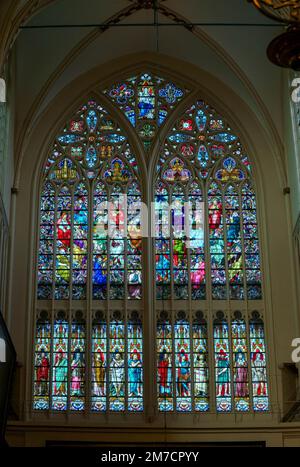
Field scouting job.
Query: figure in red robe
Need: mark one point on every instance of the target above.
(215, 214)
(64, 230)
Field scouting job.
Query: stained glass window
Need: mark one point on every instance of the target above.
(146, 100)
(222, 366)
(91, 159)
(258, 364)
(117, 351)
(207, 248)
(90, 251)
(89, 355)
(203, 161)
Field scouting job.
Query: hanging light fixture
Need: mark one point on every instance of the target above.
(284, 50)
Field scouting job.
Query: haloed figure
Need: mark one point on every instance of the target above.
(241, 376)
(61, 373)
(135, 374)
(117, 374)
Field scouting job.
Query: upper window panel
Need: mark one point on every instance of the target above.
(146, 100)
(90, 168)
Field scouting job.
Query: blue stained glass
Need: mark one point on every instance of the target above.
(91, 157)
(222, 367)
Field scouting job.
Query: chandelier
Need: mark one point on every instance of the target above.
(287, 11)
(284, 50)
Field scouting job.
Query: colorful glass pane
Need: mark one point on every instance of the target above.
(164, 367)
(240, 366)
(99, 366)
(117, 387)
(200, 359)
(259, 366)
(146, 100)
(234, 261)
(114, 363)
(251, 243)
(60, 368)
(78, 365)
(222, 367)
(42, 362)
(135, 367)
(182, 366)
(46, 246)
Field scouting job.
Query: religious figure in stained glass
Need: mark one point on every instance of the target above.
(91, 164)
(88, 255)
(146, 100)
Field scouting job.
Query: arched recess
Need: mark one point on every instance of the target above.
(267, 169)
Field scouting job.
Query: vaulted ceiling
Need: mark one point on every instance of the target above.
(48, 59)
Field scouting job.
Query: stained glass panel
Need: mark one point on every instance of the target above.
(42, 365)
(135, 367)
(78, 366)
(164, 367)
(60, 369)
(201, 151)
(146, 100)
(222, 367)
(240, 366)
(201, 367)
(206, 246)
(117, 367)
(259, 366)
